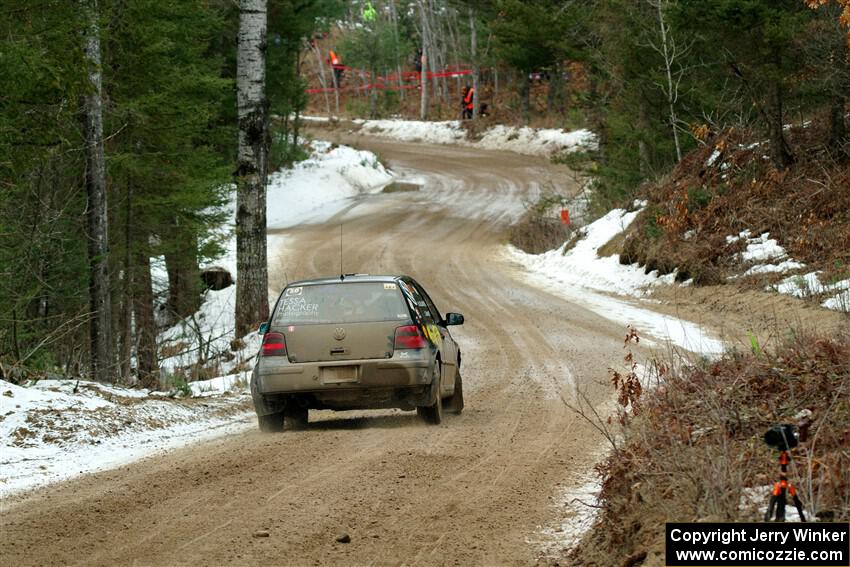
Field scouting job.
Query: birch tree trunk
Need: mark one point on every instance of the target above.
(668, 52)
(97, 219)
(252, 296)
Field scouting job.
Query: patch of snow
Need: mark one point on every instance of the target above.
(745, 234)
(449, 132)
(577, 510)
(763, 248)
(809, 285)
(712, 158)
(57, 429)
(526, 140)
(800, 286)
(781, 268)
(230, 384)
(318, 118)
(317, 188)
(840, 302)
(756, 501)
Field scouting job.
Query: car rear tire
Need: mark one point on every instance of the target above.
(295, 417)
(270, 423)
(454, 404)
(433, 414)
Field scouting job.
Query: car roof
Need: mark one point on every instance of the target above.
(348, 278)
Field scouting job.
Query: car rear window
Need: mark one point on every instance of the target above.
(354, 302)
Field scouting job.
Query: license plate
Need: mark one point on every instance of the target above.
(339, 374)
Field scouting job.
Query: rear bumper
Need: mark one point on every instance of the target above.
(273, 377)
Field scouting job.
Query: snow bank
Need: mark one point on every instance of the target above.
(416, 131)
(523, 140)
(56, 429)
(535, 142)
(317, 188)
(312, 191)
(582, 266)
(581, 276)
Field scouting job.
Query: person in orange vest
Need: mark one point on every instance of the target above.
(467, 103)
(337, 65)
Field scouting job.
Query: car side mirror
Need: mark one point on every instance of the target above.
(454, 319)
(264, 327)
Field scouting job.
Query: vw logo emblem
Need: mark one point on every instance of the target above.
(339, 333)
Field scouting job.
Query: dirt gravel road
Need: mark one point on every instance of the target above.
(472, 491)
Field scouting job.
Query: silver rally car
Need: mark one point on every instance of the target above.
(356, 342)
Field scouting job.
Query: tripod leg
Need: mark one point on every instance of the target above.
(780, 507)
(770, 507)
(799, 504)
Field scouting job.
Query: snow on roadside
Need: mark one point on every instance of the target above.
(522, 140)
(318, 187)
(545, 141)
(312, 191)
(580, 275)
(577, 510)
(582, 266)
(56, 429)
(448, 132)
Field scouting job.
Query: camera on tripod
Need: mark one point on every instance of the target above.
(782, 437)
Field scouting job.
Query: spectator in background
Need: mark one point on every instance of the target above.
(467, 103)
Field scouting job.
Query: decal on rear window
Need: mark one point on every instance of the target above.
(297, 308)
(349, 302)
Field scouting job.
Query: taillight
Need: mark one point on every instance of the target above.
(273, 345)
(409, 336)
